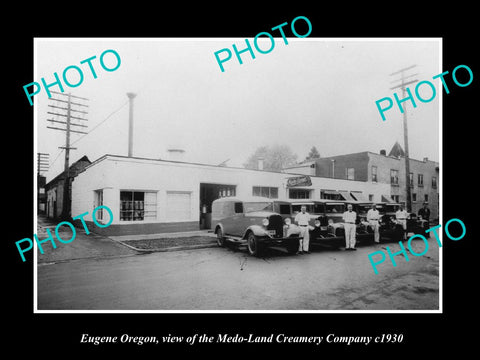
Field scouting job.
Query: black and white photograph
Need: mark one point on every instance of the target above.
(237, 181)
(268, 185)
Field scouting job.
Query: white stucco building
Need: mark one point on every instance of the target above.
(152, 196)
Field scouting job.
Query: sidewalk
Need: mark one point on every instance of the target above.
(98, 246)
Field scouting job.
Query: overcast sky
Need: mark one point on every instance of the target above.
(311, 92)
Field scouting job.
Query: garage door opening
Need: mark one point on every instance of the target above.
(208, 193)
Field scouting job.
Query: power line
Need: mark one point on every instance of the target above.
(53, 162)
(74, 142)
(96, 126)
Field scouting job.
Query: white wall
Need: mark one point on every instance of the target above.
(113, 174)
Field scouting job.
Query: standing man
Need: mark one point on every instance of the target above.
(350, 218)
(302, 219)
(373, 216)
(401, 217)
(425, 212)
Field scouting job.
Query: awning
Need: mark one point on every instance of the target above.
(387, 199)
(358, 195)
(346, 195)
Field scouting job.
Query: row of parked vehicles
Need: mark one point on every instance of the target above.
(263, 222)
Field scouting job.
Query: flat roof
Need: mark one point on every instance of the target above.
(133, 158)
(374, 153)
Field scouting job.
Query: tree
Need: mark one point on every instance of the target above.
(275, 158)
(313, 154)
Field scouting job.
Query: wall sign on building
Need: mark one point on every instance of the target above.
(303, 180)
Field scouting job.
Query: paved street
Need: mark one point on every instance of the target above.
(229, 279)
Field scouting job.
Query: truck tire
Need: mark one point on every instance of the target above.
(255, 247)
(220, 238)
(292, 247)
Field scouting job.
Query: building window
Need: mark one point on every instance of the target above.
(138, 205)
(414, 197)
(410, 179)
(374, 174)
(330, 195)
(420, 179)
(370, 197)
(299, 194)
(394, 177)
(434, 182)
(98, 201)
(226, 191)
(350, 173)
(426, 197)
(396, 198)
(265, 191)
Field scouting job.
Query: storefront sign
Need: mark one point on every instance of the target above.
(299, 181)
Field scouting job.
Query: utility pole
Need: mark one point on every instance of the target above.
(69, 120)
(404, 82)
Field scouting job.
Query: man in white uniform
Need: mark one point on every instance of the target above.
(401, 217)
(349, 218)
(373, 216)
(302, 219)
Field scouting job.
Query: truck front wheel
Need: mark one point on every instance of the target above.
(220, 237)
(255, 247)
(292, 247)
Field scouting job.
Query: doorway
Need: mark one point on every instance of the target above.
(209, 193)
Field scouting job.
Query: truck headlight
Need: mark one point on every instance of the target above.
(265, 222)
(317, 223)
(288, 221)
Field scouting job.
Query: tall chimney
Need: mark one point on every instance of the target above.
(260, 163)
(131, 96)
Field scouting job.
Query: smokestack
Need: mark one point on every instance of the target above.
(131, 96)
(260, 163)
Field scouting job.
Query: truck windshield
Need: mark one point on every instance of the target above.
(390, 208)
(284, 209)
(257, 206)
(298, 207)
(363, 208)
(318, 209)
(335, 208)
